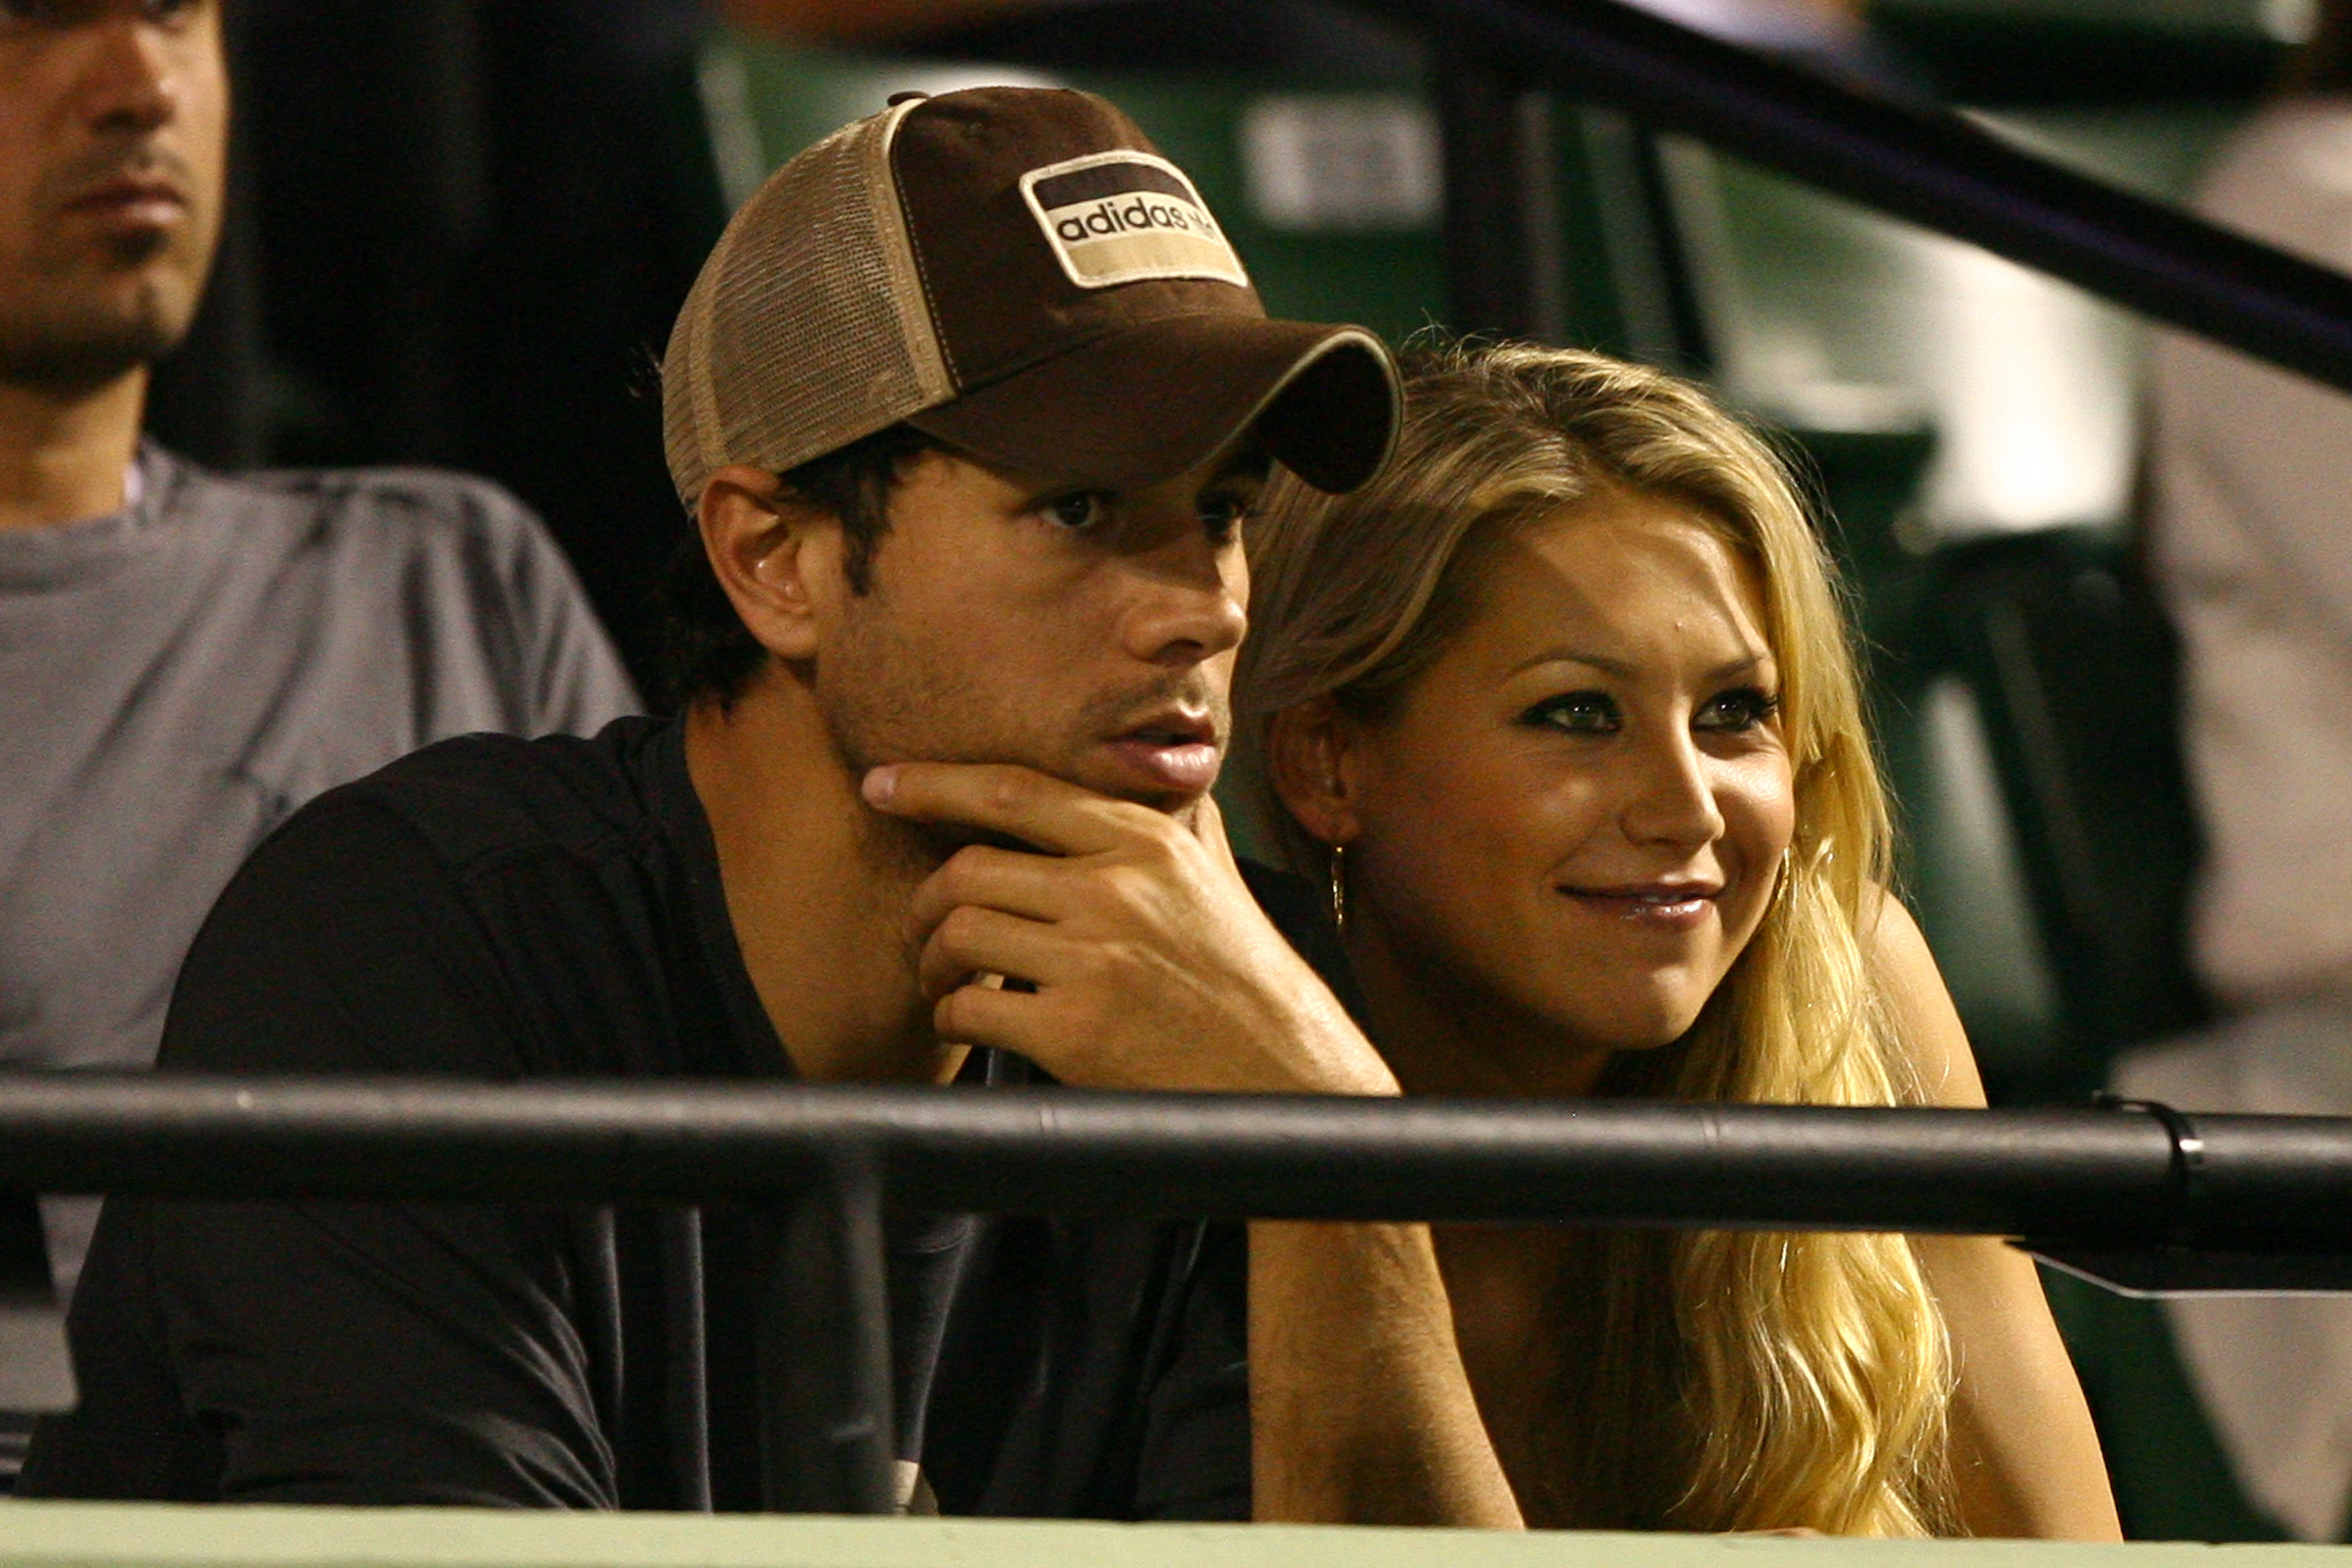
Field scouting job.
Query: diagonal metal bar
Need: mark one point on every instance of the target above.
(1932, 168)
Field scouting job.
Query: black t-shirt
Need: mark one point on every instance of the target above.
(503, 910)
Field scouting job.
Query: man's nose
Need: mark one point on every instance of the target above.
(1190, 608)
(133, 81)
(1672, 799)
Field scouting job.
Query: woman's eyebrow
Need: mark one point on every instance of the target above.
(1738, 666)
(1616, 667)
(1619, 668)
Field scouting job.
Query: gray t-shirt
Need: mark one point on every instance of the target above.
(178, 678)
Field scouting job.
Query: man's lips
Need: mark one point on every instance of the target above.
(1177, 751)
(141, 199)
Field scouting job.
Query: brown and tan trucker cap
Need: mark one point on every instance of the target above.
(1017, 272)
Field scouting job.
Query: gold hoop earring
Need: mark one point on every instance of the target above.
(1338, 888)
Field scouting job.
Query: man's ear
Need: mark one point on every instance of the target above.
(1312, 760)
(780, 561)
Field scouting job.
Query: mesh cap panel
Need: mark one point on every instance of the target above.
(807, 328)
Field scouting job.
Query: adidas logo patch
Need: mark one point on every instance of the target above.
(1120, 216)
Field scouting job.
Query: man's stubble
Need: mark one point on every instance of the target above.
(83, 310)
(891, 697)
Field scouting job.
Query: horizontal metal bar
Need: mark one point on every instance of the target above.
(2109, 1176)
(1932, 168)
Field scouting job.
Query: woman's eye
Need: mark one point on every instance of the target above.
(1737, 713)
(1577, 713)
(1080, 512)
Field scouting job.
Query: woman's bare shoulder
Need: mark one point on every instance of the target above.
(1927, 1026)
(2024, 1455)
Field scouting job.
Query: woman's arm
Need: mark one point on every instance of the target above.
(2024, 1455)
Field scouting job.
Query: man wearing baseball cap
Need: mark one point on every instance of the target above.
(968, 405)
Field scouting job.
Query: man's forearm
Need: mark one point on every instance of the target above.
(1360, 1410)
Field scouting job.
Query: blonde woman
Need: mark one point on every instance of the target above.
(1562, 710)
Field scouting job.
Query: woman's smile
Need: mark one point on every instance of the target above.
(1671, 907)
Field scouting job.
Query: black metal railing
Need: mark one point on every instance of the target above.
(1934, 168)
(2116, 1173)
(2237, 1198)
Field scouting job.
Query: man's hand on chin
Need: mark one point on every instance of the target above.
(1154, 968)
(1152, 965)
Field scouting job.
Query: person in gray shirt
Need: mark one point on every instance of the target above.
(185, 658)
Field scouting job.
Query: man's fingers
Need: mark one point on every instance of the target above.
(977, 1014)
(1034, 887)
(973, 941)
(1055, 816)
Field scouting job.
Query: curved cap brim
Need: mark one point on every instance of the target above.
(1151, 401)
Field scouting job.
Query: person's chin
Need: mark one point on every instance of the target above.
(1641, 1033)
(1646, 1016)
(1099, 770)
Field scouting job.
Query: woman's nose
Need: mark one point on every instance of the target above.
(1672, 798)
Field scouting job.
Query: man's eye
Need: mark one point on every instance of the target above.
(1222, 516)
(1079, 511)
(1737, 713)
(1577, 713)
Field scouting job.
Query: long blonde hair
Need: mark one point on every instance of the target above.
(1736, 1380)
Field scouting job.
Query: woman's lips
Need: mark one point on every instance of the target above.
(1666, 907)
